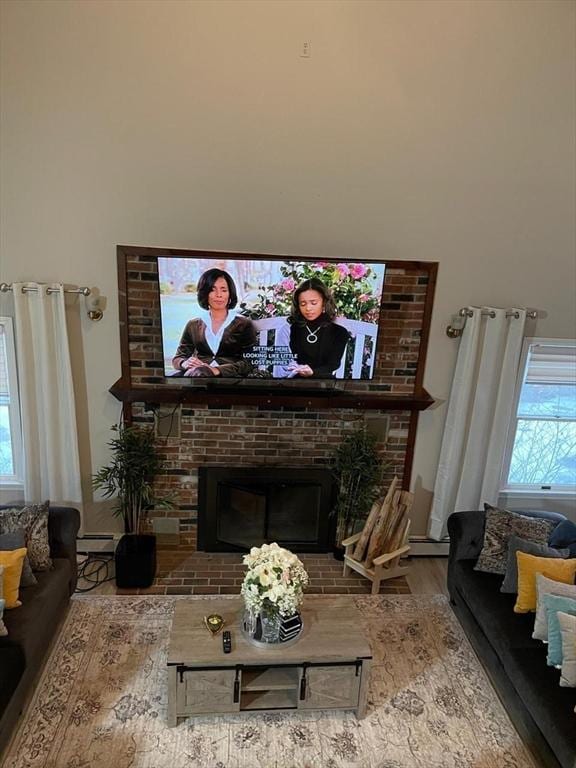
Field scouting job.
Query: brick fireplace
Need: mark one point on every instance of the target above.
(273, 432)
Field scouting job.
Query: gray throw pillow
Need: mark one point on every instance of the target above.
(568, 630)
(501, 524)
(17, 540)
(516, 544)
(546, 586)
(34, 520)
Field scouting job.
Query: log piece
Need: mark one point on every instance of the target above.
(389, 534)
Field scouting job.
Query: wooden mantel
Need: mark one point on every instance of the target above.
(267, 396)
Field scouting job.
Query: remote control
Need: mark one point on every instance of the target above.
(227, 642)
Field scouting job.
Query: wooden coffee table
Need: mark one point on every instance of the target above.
(327, 668)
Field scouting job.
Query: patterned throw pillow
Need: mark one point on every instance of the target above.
(568, 629)
(3, 630)
(529, 566)
(545, 586)
(554, 604)
(34, 520)
(516, 544)
(500, 526)
(17, 540)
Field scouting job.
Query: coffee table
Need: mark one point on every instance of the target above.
(327, 668)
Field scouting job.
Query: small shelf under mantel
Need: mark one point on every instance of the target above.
(221, 396)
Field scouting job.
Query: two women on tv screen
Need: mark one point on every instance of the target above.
(217, 342)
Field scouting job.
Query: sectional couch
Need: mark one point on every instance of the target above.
(541, 710)
(33, 625)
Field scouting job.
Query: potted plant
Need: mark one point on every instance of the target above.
(357, 468)
(130, 477)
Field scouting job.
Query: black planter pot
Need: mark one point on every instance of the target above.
(338, 552)
(135, 561)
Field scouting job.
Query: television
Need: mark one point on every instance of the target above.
(274, 318)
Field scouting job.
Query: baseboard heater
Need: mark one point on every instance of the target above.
(421, 546)
(93, 543)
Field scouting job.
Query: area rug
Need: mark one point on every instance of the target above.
(101, 701)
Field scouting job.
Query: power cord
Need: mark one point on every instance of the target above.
(95, 569)
(159, 417)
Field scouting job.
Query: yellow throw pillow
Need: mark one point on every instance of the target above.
(529, 566)
(12, 562)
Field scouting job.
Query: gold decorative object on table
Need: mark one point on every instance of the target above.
(214, 623)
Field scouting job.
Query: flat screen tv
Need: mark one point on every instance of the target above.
(260, 318)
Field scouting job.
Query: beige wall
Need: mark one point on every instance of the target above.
(417, 130)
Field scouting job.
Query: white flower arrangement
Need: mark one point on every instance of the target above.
(274, 581)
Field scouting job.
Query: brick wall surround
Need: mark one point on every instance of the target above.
(271, 435)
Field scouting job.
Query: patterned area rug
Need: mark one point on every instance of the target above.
(101, 701)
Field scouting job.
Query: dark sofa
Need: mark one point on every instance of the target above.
(541, 710)
(32, 626)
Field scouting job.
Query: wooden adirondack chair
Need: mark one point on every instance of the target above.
(375, 552)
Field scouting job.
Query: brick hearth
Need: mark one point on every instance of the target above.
(209, 573)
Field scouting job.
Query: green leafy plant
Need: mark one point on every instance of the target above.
(130, 475)
(352, 286)
(358, 469)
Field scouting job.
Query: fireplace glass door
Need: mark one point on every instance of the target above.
(251, 516)
(243, 508)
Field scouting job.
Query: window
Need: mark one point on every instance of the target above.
(542, 447)
(10, 429)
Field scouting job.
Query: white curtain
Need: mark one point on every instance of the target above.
(49, 433)
(479, 411)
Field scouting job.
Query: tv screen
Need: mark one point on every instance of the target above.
(262, 318)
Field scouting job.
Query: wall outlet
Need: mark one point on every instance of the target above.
(306, 49)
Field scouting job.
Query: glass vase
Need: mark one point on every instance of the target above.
(250, 620)
(270, 627)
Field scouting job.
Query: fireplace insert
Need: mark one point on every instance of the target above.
(249, 506)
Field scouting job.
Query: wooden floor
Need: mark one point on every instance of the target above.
(203, 573)
(428, 576)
